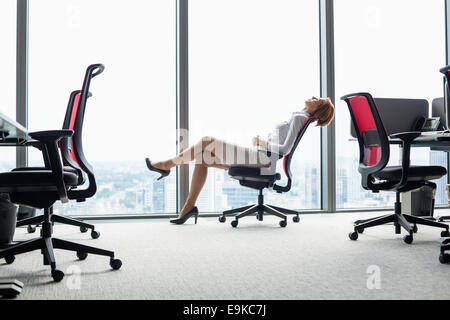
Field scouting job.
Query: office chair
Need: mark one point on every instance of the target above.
(376, 176)
(446, 72)
(42, 188)
(252, 178)
(76, 102)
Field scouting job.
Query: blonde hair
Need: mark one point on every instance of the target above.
(324, 113)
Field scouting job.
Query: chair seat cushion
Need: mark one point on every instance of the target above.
(415, 173)
(66, 168)
(36, 178)
(249, 172)
(244, 171)
(252, 177)
(78, 173)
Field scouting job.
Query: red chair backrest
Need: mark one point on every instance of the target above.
(73, 147)
(366, 126)
(73, 116)
(69, 122)
(371, 133)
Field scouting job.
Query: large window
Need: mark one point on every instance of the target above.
(251, 64)
(8, 74)
(131, 114)
(392, 49)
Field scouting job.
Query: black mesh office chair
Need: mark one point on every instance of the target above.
(374, 152)
(77, 102)
(42, 188)
(252, 178)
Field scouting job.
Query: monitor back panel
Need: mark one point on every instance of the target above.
(399, 115)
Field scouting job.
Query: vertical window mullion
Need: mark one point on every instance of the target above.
(182, 98)
(22, 75)
(327, 84)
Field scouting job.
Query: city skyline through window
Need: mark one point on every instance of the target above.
(132, 112)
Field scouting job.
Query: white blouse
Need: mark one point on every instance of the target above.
(282, 139)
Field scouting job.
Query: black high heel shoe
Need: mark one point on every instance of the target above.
(193, 212)
(164, 173)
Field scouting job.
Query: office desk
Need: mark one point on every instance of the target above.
(436, 142)
(432, 141)
(12, 133)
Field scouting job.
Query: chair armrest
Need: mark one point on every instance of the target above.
(51, 135)
(50, 140)
(33, 143)
(407, 138)
(41, 147)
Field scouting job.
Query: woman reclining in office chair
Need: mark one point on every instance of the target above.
(216, 153)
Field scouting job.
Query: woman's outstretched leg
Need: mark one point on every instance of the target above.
(194, 152)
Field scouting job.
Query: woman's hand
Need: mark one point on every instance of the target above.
(255, 141)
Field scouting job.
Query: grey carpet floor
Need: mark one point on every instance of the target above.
(313, 259)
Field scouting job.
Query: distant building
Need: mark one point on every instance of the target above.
(158, 197)
(170, 193)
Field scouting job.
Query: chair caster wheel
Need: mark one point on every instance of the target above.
(360, 230)
(222, 219)
(82, 255)
(234, 223)
(57, 275)
(415, 229)
(31, 229)
(353, 235)
(283, 223)
(444, 258)
(95, 234)
(445, 234)
(115, 264)
(10, 259)
(296, 219)
(408, 239)
(83, 229)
